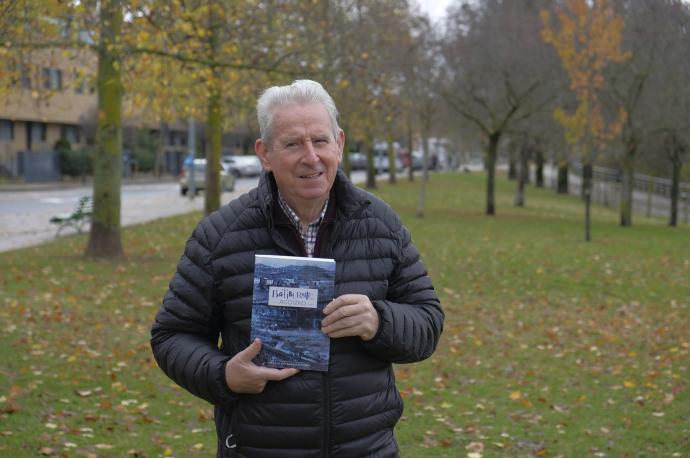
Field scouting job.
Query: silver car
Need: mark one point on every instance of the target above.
(242, 166)
(227, 179)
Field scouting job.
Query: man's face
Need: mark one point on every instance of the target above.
(303, 154)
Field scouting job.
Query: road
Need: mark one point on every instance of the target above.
(25, 215)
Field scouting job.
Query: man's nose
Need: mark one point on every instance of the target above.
(310, 152)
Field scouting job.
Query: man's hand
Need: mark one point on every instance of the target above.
(243, 376)
(350, 315)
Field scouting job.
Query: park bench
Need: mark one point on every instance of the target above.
(80, 216)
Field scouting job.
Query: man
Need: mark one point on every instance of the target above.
(385, 311)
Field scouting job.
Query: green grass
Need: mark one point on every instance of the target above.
(552, 346)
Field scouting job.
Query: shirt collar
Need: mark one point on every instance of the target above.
(292, 215)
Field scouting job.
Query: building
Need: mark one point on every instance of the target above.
(49, 94)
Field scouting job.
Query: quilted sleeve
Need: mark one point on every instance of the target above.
(411, 317)
(184, 335)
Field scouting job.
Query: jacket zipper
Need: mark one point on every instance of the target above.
(327, 416)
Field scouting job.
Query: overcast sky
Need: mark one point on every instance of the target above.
(436, 9)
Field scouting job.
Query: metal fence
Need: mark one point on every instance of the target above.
(651, 195)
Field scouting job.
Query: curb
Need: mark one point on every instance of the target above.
(58, 185)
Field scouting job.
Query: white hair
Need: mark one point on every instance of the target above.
(300, 92)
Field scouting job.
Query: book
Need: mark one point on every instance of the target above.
(289, 296)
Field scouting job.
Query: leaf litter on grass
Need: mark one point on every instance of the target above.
(551, 347)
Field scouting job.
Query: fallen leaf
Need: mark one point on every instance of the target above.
(475, 447)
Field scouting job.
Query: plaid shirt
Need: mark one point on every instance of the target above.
(308, 235)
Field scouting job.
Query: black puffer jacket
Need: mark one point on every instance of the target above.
(349, 411)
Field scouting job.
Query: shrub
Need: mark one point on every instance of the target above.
(74, 163)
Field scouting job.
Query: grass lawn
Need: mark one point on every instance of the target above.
(552, 346)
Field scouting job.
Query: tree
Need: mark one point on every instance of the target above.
(643, 35)
(104, 236)
(588, 37)
(667, 144)
(366, 42)
(422, 87)
(497, 67)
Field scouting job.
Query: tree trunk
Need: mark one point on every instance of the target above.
(523, 173)
(371, 171)
(562, 186)
(212, 186)
(347, 168)
(587, 195)
(677, 164)
(104, 235)
(421, 205)
(627, 187)
(410, 141)
(491, 152)
(392, 170)
(539, 172)
(512, 166)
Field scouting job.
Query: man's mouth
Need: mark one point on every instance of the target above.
(312, 175)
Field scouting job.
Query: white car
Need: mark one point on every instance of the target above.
(242, 166)
(227, 179)
(381, 163)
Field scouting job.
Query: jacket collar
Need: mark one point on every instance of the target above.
(349, 198)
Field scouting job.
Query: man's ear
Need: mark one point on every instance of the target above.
(262, 153)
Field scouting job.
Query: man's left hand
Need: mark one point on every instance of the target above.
(350, 315)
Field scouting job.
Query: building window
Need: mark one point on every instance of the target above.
(70, 133)
(82, 84)
(38, 132)
(25, 76)
(6, 130)
(52, 78)
(178, 138)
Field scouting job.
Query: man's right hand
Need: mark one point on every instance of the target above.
(243, 376)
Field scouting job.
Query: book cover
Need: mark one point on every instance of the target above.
(287, 307)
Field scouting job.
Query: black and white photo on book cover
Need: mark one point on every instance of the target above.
(290, 294)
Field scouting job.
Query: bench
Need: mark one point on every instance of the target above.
(80, 216)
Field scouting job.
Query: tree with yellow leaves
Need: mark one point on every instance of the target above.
(587, 37)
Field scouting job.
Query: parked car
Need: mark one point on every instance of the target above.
(417, 161)
(242, 166)
(381, 162)
(227, 179)
(358, 161)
